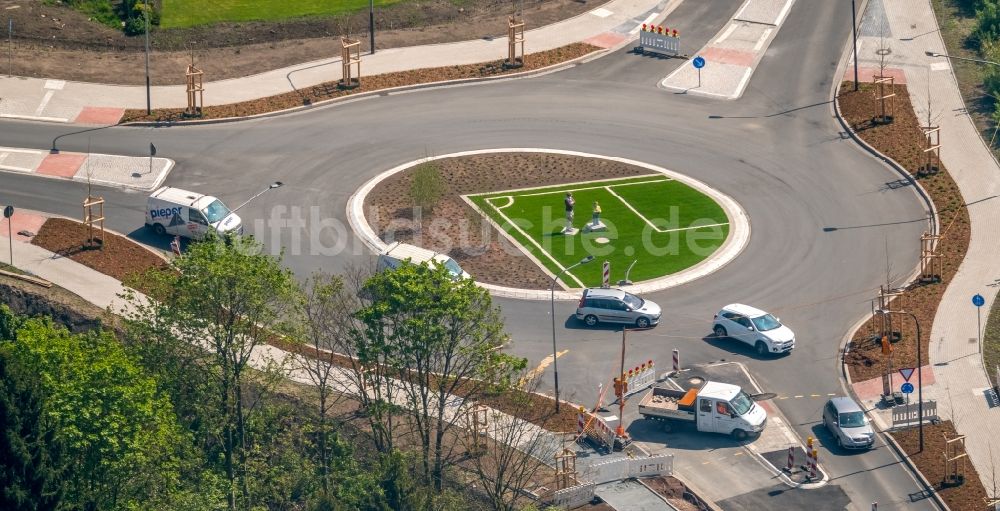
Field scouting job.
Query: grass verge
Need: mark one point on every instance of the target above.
(991, 343)
(903, 140)
(189, 13)
(329, 90)
(967, 496)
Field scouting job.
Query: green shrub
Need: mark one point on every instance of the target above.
(988, 23)
(427, 187)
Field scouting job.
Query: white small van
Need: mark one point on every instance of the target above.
(189, 214)
(394, 255)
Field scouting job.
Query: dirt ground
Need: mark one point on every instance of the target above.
(456, 229)
(903, 141)
(674, 491)
(330, 90)
(54, 41)
(120, 258)
(965, 497)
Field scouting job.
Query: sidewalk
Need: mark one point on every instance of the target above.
(955, 362)
(87, 103)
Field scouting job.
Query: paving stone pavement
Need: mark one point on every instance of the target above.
(132, 172)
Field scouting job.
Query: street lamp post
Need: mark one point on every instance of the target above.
(371, 23)
(953, 57)
(854, 28)
(552, 301)
(272, 186)
(920, 379)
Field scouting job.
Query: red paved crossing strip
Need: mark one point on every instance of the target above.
(62, 164)
(99, 115)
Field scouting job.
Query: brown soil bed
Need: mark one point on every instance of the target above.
(903, 141)
(456, 229)
(679, 496)
(965, 497)
(118, 257)
(330, 90)
(54, 41)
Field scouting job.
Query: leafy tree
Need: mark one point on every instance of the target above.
(325, 309)
(441, 338)
(215, 310)
(31, 456)
(119, 433)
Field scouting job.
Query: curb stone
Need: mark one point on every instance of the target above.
(326, 103)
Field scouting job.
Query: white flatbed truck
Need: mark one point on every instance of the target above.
(713, 407)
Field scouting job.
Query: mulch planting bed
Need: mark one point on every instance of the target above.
(330, 90)
(454, 228)
(967, 496)
(118, 257)
(903, 141)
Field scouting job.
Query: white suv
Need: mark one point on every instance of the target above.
(755, 327)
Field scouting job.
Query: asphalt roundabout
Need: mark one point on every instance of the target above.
(731, 228)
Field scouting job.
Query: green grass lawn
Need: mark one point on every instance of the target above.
(663, 225)
(991, 342)
(189, 13)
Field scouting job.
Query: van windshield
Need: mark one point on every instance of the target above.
(216, 211)
(742, 403)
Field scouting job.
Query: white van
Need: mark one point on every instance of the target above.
(189, 214)
(394, 255)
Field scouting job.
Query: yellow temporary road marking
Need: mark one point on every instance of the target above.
(534, 373)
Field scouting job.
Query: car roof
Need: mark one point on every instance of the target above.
(744, 310)
(845, 404)
(601, 292)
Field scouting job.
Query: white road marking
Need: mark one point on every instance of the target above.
(54, 84)
(45, 101)
(784, 13)
(649, 19)
(743, 83)
(763, 38)
(33, 118)
(725, 35)
(601, 12)
(939, 66)
(18, 150)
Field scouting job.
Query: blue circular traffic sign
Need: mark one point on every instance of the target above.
(978, 300)
(907, 388)
(698, 62)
